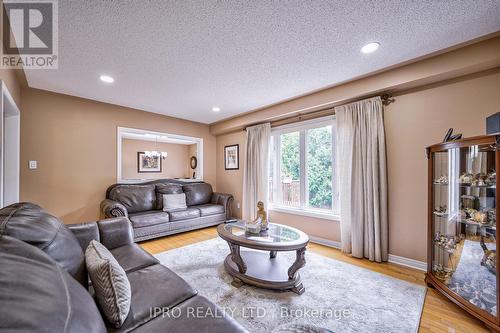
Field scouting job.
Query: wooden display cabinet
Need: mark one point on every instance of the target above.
(462, 234)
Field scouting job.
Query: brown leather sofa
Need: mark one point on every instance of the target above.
(143, 203)
(44, 283)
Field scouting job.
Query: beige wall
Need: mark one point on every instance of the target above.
(173, 166)
(417, 119)
(231, 181)
(74, 142)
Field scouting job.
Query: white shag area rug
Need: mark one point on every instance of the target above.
(338, 296)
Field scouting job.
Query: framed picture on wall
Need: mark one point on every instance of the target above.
(232, 157)
(147, 163)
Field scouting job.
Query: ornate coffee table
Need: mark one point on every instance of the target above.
(264, 269)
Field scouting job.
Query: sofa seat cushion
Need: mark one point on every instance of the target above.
(210, 209)
(132, 257)
(189, 213)
(194, 316)
(136, 198)
(37, 295)
(152, 287)
(151, 217)
(198, 193)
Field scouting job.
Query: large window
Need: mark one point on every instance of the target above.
(301, 170)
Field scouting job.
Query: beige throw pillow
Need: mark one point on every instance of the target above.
(111, 285)
(173, 202)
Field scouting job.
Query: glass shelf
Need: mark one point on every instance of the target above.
(460, 220)
(468, 186)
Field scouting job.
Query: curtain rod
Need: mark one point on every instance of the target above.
(329, 111)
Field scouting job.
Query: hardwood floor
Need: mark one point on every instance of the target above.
(439, 314)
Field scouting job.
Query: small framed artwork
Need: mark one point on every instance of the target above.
(147, 163)
(232, 157)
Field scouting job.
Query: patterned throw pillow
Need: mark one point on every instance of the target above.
(111, 285)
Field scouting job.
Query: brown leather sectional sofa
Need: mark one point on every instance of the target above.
(44, 282)
(143, 204)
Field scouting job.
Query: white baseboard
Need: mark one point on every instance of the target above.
(408, 262)
(403, 261)
(325, 242)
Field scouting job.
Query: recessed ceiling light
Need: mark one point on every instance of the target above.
(107, 79)
(370, 47)
(216, 109)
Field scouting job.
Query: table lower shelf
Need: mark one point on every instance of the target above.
(264, 271)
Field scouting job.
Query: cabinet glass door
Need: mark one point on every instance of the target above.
(464, 223)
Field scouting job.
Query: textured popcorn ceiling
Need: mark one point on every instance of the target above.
(180, 58)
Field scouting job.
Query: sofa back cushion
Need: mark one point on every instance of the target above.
(197, 193)
(136, 198)
(30, 223)
(167, 188)
(36, 294)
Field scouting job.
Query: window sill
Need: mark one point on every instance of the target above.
(304, 212)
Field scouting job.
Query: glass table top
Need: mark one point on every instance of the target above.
(275, 234)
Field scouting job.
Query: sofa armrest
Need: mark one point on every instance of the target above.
(225, 200)
(115, 232)
(85, 232)
(111, 208)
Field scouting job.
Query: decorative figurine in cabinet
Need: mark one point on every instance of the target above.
(462, 235)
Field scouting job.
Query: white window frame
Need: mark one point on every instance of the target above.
(275, 154)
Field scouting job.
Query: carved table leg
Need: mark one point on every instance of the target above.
(236, 282)
(299, 289)
(236, 257)
(300, 262)
(272, 254)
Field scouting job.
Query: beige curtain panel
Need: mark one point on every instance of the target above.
(362, 179)
(255, 175)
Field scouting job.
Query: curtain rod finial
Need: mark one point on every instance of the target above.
(387, 99)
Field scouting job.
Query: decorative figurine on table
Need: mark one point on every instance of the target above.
(262, 215)
(260, 223)
(254, 226)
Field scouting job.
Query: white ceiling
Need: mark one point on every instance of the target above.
(180, 58)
